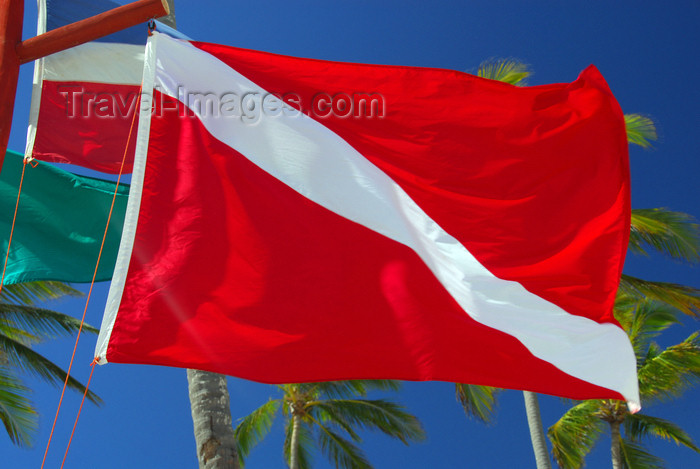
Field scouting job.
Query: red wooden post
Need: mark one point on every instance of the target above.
(11, 18)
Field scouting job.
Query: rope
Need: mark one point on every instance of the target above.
(14, 219)
(92, 283)
(87, 386)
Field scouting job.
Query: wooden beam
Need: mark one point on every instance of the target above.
(90, 29)
(11, 19)
(170, 19)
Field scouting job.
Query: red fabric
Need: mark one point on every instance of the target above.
(447, 135)
(234, 272)
(87, 124)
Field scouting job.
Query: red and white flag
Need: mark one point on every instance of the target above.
(298, 220)
(84, 98)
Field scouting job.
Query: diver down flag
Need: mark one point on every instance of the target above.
(296, 220)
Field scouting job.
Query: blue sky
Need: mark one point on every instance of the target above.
(648, 53)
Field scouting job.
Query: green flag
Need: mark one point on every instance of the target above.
(60, 223)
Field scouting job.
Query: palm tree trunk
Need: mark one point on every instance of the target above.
(294, 443)
(211, 415)
(615, 445)
(534, 421)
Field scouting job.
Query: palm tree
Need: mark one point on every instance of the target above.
(672, 233)
(663, 375)
(211, 415)
(21, 325)
(325, 415)
(644, 309)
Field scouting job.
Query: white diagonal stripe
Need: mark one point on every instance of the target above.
(295, 150)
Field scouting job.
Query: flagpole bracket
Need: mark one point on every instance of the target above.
(151, 26)
(31, 161)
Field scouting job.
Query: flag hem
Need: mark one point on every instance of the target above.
(133, 207)
(37, 83)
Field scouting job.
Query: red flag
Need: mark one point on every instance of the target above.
(303, 220)
(84, 98)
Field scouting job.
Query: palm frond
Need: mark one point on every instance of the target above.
(574, 434)
(41, 322)
(298, 392)
(24, 358)
(639, 314)
(510, 71)
(305, 442)
(326, 413)
(20, 335)
(653, 352)
(253, 428)
(638, 426)
(16, 412)
(329, 414)
(371, 414)
(343, 453)
(354, 388)
(675, 234)
(30, 293)
(640, 130)
(683, 298)
(668, 373)
(635, 456)
(478, 402)
(643, 320)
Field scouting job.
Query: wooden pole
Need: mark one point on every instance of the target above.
(170, 19)
(11, 18)
(90, 29)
